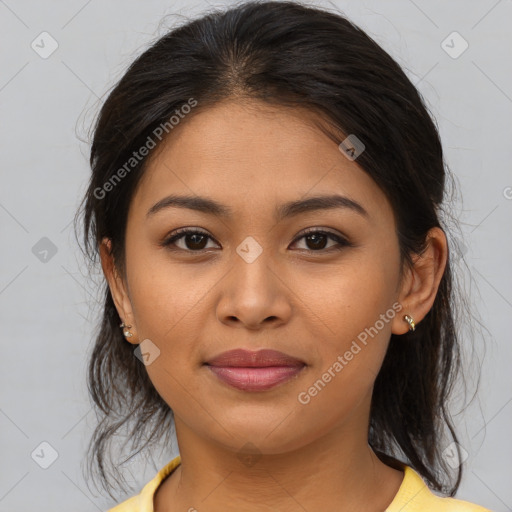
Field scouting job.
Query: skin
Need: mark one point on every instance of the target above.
(305, 301)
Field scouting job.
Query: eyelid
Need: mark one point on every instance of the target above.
(341, 240)
(180, 233)
(327, 231)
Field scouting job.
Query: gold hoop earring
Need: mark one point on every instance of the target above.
(410, 321)
(126, 331)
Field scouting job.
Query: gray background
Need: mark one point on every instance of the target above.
(47, 105)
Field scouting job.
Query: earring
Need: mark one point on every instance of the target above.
(410, 321)
(126, 332)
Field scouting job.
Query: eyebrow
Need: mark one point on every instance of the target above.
(286, 210)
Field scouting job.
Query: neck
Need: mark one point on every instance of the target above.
(338, 471)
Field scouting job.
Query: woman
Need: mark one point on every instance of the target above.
(265, 197)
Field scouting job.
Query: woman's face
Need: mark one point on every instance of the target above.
(256, 281)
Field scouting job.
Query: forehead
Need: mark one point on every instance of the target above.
(244, 154)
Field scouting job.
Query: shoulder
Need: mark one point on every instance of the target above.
(415, 496)
(452, 504)
(143, 502)
(445, 504)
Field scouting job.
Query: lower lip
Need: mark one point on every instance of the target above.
(255, 379)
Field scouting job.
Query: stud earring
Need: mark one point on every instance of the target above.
(410, 321)
(126, 332)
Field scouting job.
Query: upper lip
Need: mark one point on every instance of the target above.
(254, 359)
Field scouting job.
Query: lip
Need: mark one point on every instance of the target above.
(254, 359)
(254, 371)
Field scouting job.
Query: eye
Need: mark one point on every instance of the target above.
(317, 239)
(192, 239)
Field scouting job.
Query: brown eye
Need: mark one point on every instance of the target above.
(316, 241)
(192, 240)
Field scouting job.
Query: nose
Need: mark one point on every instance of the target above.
(254, 295)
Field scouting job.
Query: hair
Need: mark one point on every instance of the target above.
(286, 54)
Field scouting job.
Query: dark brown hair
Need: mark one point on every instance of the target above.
(286, 54)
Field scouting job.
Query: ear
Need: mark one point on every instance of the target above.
(118, 288)
(421, 283)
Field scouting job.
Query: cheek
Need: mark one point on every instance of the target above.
(166, 297)
(165, 311)
(353, 313)
(349, 360)
(344, 300)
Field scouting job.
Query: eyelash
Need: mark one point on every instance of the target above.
(181, 233)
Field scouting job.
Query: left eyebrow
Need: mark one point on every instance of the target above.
(286, 210)
(316, 203)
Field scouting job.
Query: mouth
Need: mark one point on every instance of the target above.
(254, 371)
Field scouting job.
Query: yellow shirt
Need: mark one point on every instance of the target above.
(412, 496)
